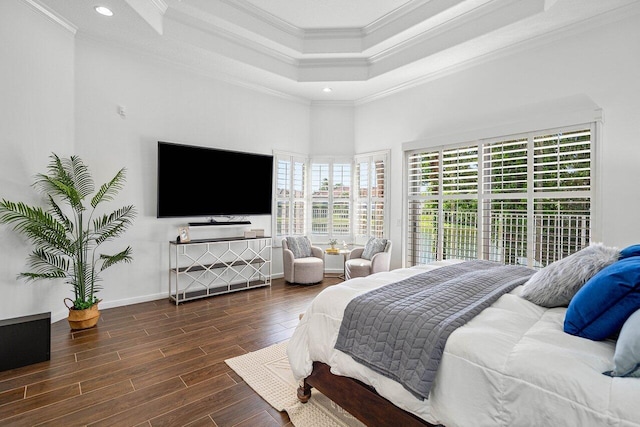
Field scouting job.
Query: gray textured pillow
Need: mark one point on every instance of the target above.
(373, 246)
(627, 356)
(300, 246)
(557, 283)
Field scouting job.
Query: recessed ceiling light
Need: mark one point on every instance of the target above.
(327, 89)
(104, 11)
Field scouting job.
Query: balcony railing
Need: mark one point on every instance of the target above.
(505, 237)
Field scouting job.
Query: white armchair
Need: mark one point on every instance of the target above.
(304, 263)
(359, 266)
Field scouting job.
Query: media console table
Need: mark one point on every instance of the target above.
(205, 267)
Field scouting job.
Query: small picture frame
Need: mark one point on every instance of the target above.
(183, 235)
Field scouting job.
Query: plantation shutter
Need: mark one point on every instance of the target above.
(370, 196)
(423, 182)
(524, 199)
(290, 216)
(320, 184)
(341, 203)
(331, 199)
(504, 203)
(459, 203)
(562, 194)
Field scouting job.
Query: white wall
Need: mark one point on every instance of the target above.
(332, 137)
(165, 102)
(600, 64)
(162, 101)
(61, 95)
(36, 119)
(332, 131)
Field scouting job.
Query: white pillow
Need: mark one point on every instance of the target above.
(556, 284)
(627, 355)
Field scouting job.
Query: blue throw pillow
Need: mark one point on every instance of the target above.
(629, 251)
(605, 302)
(627, 356)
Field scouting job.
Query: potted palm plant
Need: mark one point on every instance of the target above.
(67, 234)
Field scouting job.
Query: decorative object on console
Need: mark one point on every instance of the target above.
(259, 232)
(250, 234)
(183, 235)
(64, 245)
(557, 283)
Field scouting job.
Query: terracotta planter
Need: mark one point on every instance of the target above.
(82, 319)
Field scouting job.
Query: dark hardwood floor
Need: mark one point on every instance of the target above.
(155, 364)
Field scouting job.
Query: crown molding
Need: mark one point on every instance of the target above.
(332, 41)
(332, 62)
(160, 5)
(330, 69)
(306, 41)
(575, 28)
(328, 103)
(337, 46)
(474, 23)
(236, 31)
(214, 32)
(400, 13)
(51, 16)
(151, 11)
(407, 16)
(260, 14)
(343, 40)
(196, 70)
(332, 33)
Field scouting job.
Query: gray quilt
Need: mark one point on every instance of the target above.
(400, 330)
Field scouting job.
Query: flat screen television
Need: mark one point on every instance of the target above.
(206, 182)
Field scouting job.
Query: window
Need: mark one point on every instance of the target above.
(291, 203)
(317, 197)
(331, 199)
(370, 196)
(523, 199)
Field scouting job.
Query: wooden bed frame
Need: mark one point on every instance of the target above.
(357, 398)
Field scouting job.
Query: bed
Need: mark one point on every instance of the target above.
(512, 364)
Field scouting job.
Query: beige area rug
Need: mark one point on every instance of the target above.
(267, 371)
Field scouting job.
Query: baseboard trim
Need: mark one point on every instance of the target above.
(60, 315)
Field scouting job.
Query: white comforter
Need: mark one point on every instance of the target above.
(512, 365)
